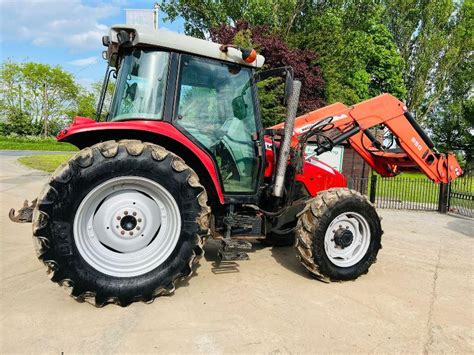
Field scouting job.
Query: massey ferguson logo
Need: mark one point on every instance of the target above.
(416, 144)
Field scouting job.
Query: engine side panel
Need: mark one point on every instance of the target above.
(316, 176)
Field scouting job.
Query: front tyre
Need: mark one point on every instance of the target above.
(338, 235)
(121, 222)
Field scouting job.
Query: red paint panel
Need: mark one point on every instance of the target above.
(316, 176)
(83, 124)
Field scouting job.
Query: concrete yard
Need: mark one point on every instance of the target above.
(418, 297)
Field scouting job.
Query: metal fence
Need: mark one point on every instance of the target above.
(418, 193)
(461, 196)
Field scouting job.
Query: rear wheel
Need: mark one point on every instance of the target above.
(338, 235)
(121, 222)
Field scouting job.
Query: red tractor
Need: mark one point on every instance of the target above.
(182, 156)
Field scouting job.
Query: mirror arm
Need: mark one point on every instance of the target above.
(103, 92)
(281, 71)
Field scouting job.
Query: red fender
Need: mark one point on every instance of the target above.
(160, 128)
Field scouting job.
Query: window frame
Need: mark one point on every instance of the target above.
(169, 85)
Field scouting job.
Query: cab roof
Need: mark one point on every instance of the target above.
(164, 38)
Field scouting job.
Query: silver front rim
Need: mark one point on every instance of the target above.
(127, 226)
(347, 239)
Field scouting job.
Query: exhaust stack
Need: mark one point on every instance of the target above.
(286, 142)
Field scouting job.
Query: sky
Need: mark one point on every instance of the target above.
(65, 32)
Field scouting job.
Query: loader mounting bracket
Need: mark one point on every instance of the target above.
(25, 214)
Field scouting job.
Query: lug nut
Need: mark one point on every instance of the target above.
(131, 233)
(139, 220)
(119, 218)
(138, 228)
(134, 213)
(122, 232)
(125, 213)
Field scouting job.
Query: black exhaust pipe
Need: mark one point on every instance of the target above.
(286, 142)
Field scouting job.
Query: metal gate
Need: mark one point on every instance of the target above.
(418, 193)
(461, 196)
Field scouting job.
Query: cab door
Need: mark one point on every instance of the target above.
(216, 106)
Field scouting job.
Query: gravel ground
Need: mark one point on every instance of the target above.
(418, 297)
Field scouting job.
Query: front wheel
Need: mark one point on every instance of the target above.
(121, 222)
(338, 235)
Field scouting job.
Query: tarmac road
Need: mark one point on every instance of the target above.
(417, 298)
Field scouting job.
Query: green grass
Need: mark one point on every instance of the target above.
(33, 143)
(45, 162)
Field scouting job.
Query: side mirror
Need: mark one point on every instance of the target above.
(239, 107)
(131, 91)
(105, 41)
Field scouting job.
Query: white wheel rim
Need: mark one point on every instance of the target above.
(127, 226)
(340, 249)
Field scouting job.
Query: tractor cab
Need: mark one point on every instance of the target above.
(205, 90)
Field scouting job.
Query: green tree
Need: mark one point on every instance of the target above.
(358, 56)
(452, 120)
(49, 92)
(33, 93)
(202, 15)
(12, 114)
(432, 36)
(357, 53)
(86, 104)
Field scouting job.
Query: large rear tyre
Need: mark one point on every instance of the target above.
(121, 222)
(338, 235)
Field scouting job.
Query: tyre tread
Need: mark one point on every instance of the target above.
(84, 159)
(317, 208)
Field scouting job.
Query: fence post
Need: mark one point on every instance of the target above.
(448, 198)
(443, 198)
(373, 187)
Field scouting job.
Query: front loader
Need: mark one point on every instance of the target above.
(181, 156)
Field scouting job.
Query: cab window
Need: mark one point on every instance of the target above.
(216, 107)
(141, 85)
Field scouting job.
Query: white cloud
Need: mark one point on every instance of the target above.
(55, 23)
(84, 61)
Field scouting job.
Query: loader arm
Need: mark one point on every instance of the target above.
(414, 148)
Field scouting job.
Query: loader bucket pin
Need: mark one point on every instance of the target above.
(25, 214)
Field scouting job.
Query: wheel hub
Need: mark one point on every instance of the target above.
(127, 226)
(347, 239)
(343, 238)
(128, 223)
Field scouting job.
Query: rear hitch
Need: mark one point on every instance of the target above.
(25, 214)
